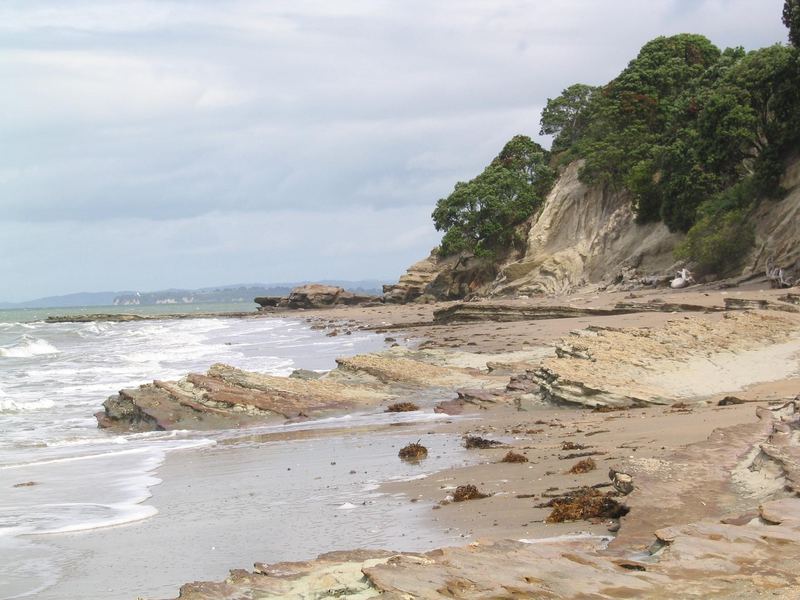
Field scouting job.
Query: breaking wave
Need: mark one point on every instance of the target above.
(8, 405)
(28, 347)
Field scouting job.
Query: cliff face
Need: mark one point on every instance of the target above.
(585, 235)
(588, 235)
(442, 278)
(778, 227)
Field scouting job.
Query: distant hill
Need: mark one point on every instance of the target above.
(68, 300)
(241, 292)
(203, 296)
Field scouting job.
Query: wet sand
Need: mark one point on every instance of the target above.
(272, 499)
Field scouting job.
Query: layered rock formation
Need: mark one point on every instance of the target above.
(438, 278)
(778, 228)
(315, 295)
(585, 235)
(465, 312)
(621, 368)
(229, 397)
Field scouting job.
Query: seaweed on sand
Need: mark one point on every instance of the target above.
(583, 466)
(584, 503)
(468, 492)
(572, 446)
(514, 457)
(413, 452)
(402, 407)
(474, 441)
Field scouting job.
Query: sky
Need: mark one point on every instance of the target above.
(190, 143)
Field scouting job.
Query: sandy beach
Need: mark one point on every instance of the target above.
(343, 488)
(573, 400)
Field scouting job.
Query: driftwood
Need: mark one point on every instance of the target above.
(780, 277)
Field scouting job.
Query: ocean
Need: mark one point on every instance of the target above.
(68, 488)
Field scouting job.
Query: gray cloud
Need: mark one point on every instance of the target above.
(156, 113)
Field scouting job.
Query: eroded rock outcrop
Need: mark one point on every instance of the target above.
(466, 312)
(229, 397)
(315, 295)
(686, 358)
(777, 228)
(586, 235)
(733, 471)
(442, 278)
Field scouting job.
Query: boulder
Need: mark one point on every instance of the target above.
(315, 295)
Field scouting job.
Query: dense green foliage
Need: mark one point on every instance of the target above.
(685, 122)
(791, 18)
(480, 215)
(696, 134)
(718, 244)
(566, 117)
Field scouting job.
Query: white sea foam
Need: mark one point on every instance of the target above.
(118, 514)
(147, 450)
(9, 405)
(29, 347)
(72, 496)
(117, 440)
(55, 376)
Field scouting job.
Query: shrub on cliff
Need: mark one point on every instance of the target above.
(480, 215)
(718, 243)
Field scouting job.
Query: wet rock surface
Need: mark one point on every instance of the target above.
(229, 397)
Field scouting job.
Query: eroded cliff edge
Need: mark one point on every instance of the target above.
(588, 236)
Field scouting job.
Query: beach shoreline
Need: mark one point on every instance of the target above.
(635, 435)
(520, 495)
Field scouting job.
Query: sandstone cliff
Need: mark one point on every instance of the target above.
(443, 278)
(584, 235)
(588, 235)
(778, 227)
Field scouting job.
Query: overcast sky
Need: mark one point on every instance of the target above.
(191, 143)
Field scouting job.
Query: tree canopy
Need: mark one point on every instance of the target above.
(791, 18)
(479, 216)
(684, 122)
(566, 116)
(696, 134)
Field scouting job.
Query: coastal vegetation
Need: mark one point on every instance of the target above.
(697, 135)
(480, 215)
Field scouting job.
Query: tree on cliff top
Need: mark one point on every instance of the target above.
(566, 116)
(791, 18)
(479, 216)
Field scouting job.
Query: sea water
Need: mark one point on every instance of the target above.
(59, 473)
